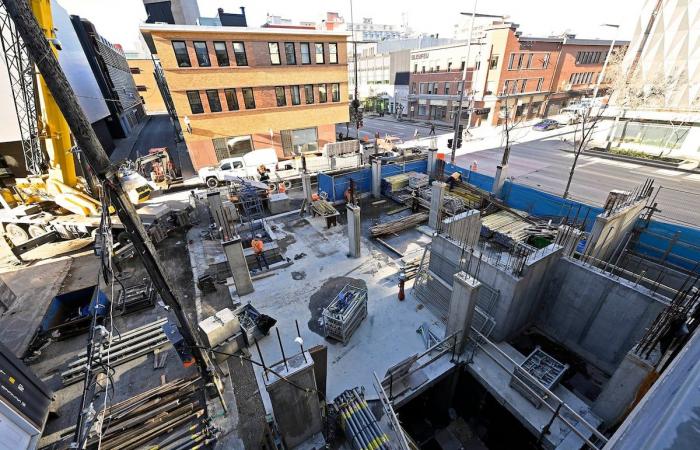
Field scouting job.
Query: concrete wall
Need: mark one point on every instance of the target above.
(608, 231)
(598, 317)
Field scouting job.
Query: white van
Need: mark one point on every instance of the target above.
(245, 166)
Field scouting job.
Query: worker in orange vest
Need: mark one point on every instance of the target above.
(258, 245)
(281, 188)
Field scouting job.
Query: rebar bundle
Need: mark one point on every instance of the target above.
(397, 225)
(359, 423)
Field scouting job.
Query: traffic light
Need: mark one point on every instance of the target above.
(460, 133)
(449, 143)
(459, 142)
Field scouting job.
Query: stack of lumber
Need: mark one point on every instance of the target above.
(472, 196)
(417, 180)
(397, 225)
(396, 182)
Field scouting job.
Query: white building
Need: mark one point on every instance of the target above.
(663, 56)
(382, 79)
(367, 30)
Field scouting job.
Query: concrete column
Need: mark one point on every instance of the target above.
(306, 186)
(499, 179)
(432, 158)
(465, 290)
(376, 178)
(438, 195)
(620, 392)
(354, 230)
(239, 267)
(216, 208)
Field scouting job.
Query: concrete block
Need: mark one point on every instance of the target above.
(436, 200)
(621, 390)
(499, 179)
(279, 203)
(376, 178)
(354, 230)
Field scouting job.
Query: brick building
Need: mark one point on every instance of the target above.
(246, 88)
(539, 75)
(142, 68)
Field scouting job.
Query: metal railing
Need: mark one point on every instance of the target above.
(556, 405)
(391, 414)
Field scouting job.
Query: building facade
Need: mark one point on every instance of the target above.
(236, 90)
(142, 69)
(539, 76)
(660, 111)
(382, 79)
(367, 30)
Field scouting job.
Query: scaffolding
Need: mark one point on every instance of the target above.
(20, 70)
(252, 213)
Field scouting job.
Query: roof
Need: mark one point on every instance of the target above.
(155, 27)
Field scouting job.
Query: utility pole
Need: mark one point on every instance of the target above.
(458, 117)
(40, 51)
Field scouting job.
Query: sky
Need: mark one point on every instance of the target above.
(118, 20)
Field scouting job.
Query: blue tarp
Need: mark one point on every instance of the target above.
(336, 185)
(685, 252)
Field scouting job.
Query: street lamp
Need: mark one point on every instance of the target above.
(458, 117)
(607, 58)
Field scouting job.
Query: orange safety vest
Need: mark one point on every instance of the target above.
(281, 188)
(257, 245)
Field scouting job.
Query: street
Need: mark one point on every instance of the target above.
(538, 160)
(388, 125)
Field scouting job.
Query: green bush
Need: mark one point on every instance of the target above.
(641, 155)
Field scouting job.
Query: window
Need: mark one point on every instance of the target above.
(322, 93)
(231, 99)
(333, 53)
(522, 86)
(296, 97)
(437, 68)
(213, 99)
(510, 61)
(280, 96)
(539, 84)
(520, 60)
(221, 54)
(335, 92)
(529, 61)
(232, 146)
(319, 53)
(447, 88)
(134, 70)
(181, 55)
(415, 68)
(289, 53)
(493, 62)
(141, 88)
(506, 87)
(200, 48)
(422, 69)
(239, 53)
(545, 61)
(413, 88)
(305, 53)
(299, 141)
(449, 66)
(461, 66)
(274, 49)
(248, 98)
(309, 93)
(195, 102)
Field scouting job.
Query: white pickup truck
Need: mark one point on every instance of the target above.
(246, 166)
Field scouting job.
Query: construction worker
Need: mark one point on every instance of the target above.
(258, 246)
(473, 167)
(262, 172)
(432, 130)
(455, 178)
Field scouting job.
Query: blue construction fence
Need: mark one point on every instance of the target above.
(678, 244)
(336, 185)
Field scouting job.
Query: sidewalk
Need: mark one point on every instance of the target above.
(423, 123)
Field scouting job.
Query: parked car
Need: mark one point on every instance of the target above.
(545, 125)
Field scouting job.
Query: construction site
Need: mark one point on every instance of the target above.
(407, 303)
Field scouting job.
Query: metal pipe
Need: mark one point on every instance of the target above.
(284, 358)
(262, 361)
(301, 342)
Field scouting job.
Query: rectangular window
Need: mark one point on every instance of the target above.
(200, 49)
(319, 53)
(231, 99)
(305, 53)
(141, 88)
(545, 61)
(493, 62)
(195, 102)
(213, 99)
(520, 60)
(333, 53)
(309, 93)
(280, 96)
(248, 98)
(134, 70)
(296, 142)
(181, 55)
(529, 61)
(296, 97)
(221, 54)
(232, 146)
(461, 66)
(289, 53)
(510, 61)
(274, 49)
(522, 86)
(449, 66)
(447, 88)
(422, 69)
(239, 53)
(437, 68)
(322, 93)
(415, 68)
(335, 92)
(539, 84)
